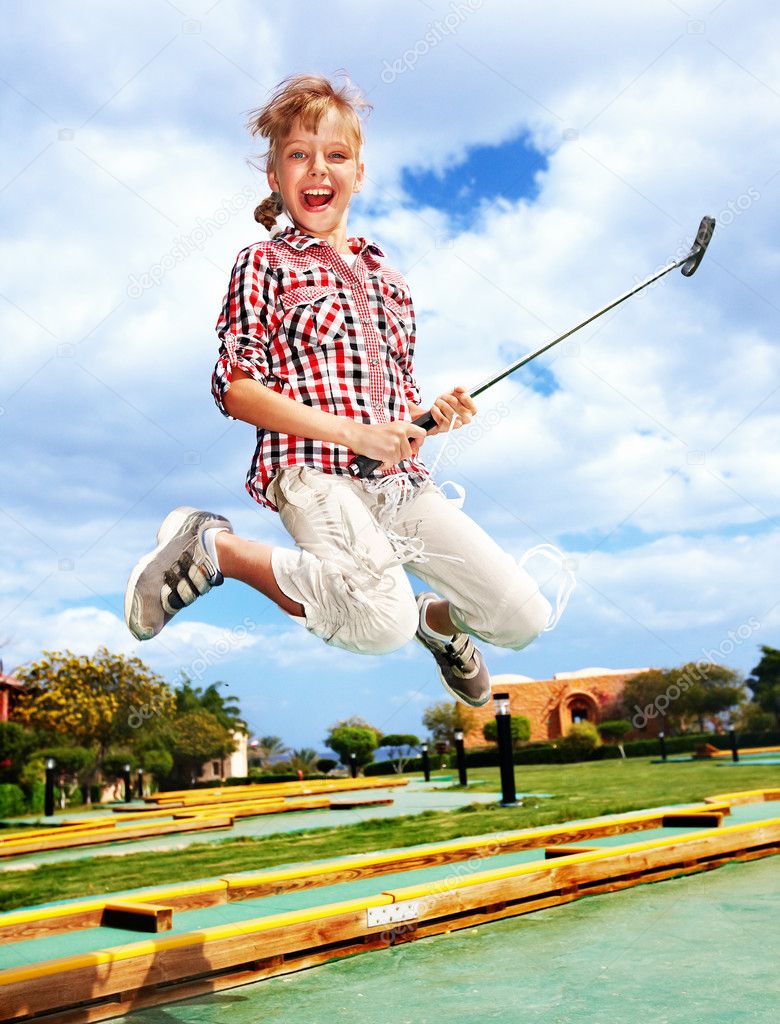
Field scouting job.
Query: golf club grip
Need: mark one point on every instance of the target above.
(703, 236)
(363, 465)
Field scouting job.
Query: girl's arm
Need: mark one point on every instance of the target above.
(254, 403)
(249, 400)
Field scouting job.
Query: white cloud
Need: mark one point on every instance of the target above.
(661, 443)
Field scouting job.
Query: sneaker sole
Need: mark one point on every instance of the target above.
(169, 527)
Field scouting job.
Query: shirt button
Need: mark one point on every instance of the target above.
(375, 362)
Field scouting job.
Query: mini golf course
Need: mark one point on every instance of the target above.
(208, 942)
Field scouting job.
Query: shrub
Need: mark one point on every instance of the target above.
(581, 740)
(12, 802)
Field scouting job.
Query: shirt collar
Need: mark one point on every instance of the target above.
(302, 240)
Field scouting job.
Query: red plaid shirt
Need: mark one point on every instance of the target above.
(297, 319)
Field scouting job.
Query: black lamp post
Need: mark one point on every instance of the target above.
(733, 742)
(353, 764)
(426, 762)
(662, 744)
(140, 784)
(128, 783)
(48, 800)
(505, 759)
(461, 755)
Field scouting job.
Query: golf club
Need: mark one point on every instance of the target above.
(362, 465)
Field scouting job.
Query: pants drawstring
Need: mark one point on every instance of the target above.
(397, 488)
(567, 585)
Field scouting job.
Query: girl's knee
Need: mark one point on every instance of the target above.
(392, 625)
(518, 620)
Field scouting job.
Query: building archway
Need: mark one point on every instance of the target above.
(577, 707)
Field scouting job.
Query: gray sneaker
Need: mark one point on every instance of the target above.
(461, 668)
(175, 574)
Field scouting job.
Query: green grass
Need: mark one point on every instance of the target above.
(580, 790)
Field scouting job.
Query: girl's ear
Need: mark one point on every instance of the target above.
(358, 186)
(273, 181)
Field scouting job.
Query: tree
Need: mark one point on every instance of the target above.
(268, 748)
(443, 720)
(304, 760)
(93, 702)
(199, 737)
(225, 709)
(582, 739)
(353, 736)
(326, 764)
(682, 697)
(613, 731)
(400, 748)
(764, 681)
(17, 746)
(520, 728)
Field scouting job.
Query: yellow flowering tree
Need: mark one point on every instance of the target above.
(93, 702)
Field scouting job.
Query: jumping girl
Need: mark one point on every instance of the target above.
(317, 338)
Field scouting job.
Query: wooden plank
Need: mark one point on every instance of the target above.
(567, 851)
(59, 984)
(35, 922)
(92, 837)
(140, 917)
(336, 805)
(693, 819)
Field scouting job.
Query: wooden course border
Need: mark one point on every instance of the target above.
(96, 986)
(47, 920)
(202, 811)
(38, 921)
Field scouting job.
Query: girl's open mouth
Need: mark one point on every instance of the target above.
(317, 198)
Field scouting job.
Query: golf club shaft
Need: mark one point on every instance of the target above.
(362, 465)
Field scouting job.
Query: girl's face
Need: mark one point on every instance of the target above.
(316, 174)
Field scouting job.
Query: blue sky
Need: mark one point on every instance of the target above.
(521, 172)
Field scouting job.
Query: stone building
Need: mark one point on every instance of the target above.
(551, 705)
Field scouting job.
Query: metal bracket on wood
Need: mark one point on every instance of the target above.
(392, 913)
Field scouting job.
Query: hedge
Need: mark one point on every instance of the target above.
(551, 753)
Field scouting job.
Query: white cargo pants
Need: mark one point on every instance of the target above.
(348, 572)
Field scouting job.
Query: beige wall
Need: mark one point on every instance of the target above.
(550, 704)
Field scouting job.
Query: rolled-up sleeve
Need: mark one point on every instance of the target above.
(249, 315)
(411, 389)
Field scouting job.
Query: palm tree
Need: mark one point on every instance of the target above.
(267, 747)
(304, 760)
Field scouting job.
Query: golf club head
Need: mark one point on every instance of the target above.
(703, 236)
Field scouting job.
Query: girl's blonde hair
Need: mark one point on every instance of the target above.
(307, 97)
